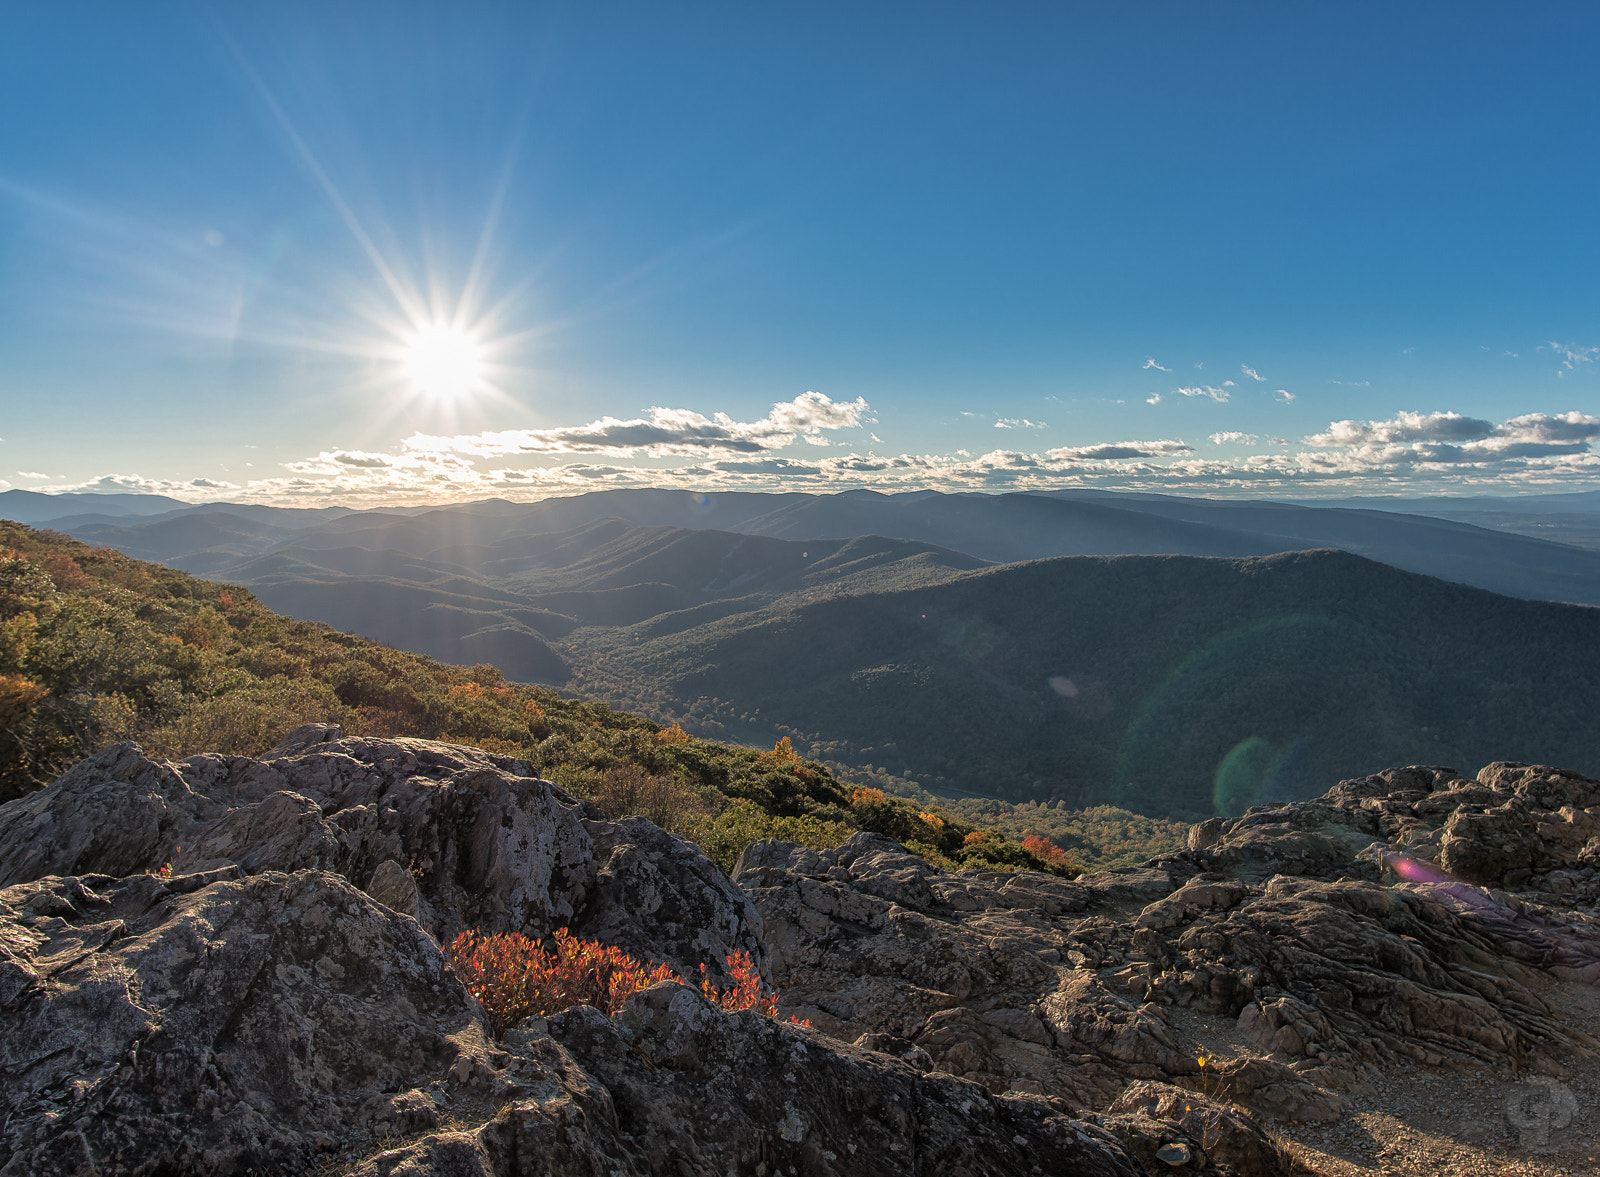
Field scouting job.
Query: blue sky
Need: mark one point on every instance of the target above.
(402, 253)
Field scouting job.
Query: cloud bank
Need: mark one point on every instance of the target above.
(1421, 452)
(664, 433)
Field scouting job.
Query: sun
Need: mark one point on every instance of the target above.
(443, 362)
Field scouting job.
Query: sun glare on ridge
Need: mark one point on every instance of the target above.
(443, 362)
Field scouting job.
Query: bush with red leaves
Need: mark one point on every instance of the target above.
(515, 977)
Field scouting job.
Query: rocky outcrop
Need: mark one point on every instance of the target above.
(232, 966)
(455, 837)
(675, 1086)
(224, 1023)
(277, 997)
(1332, 936)
(218, 1022)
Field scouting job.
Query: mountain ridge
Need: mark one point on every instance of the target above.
(995, 528)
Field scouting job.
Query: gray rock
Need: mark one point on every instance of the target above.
(484, 844)
(253, 1009)
(1151, 1118)
(393, 886)
(1314, 924)
(676, 1086)
(219, 1025)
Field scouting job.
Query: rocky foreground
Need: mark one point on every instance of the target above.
(278, 1002)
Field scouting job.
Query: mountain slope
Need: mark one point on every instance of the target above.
(97, 648)
(1166, 685)
(503, 601)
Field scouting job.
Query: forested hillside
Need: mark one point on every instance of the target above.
(1171, 686)
(97, 647)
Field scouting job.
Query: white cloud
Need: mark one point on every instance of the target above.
(1018, 423)
(1203, 390)
(1283, 396)
(1252, 373)
(1149, 362)
(1117, 451)
(194, 490)
(1353, 383)
(1571, 426)
(1404, 427)
(31, 474)
(1233, 437)
(680, 432)
(1153, 399)
(1528, 446)
(1573, 358)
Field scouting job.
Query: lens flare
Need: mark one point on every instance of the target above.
(1413, 871)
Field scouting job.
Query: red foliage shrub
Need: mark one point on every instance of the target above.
(748, 990)
(1043, 848)
(513, 977)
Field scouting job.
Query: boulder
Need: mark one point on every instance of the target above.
(1201, 1127)
(220, 1022)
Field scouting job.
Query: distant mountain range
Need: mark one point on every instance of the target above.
(944, 637)
(216, 539)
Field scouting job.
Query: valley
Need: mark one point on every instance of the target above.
(1172, 657)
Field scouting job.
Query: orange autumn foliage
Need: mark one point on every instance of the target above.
(868, 795)
(64, 571)
(1043, 848)
(748, 990)
(514, 977)
(673, 735)
(782, 753)
(18, 695)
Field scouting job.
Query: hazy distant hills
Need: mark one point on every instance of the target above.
(944, 636)
(529, 591)
(28, 506)
(1564, 518)
(486, 540)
